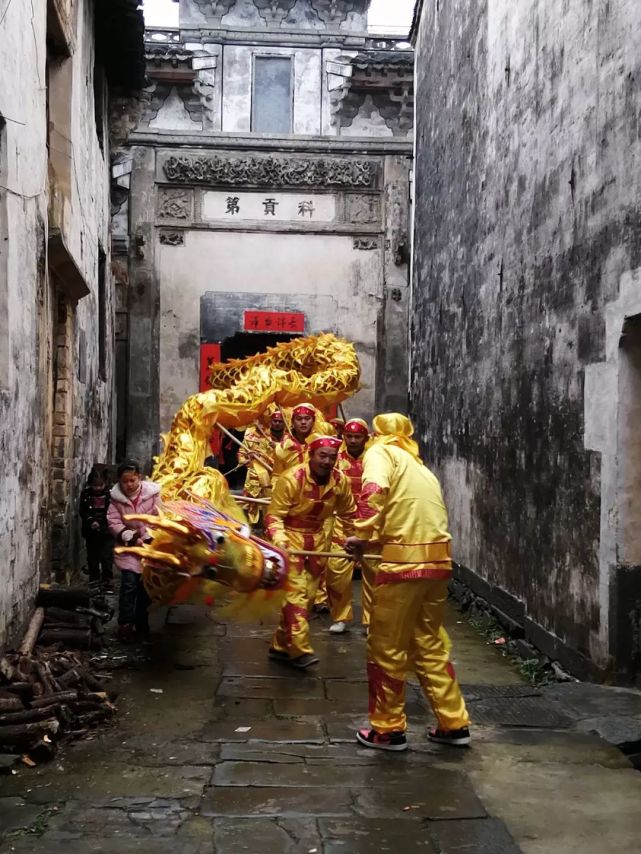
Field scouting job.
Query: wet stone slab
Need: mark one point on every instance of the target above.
(401, 775)
(49, 784)
(443, 795)
(585, 700)
(242, 709)
(282, 732)
(359, 836)
(17, 814)
(298, 708)
(482, 836)
(275, 801)
(271, 688)
(265, 836)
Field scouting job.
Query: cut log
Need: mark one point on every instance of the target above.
(24, 689)
(11, 704)
(61, 697)
(71, 677)
(65, 615)
(35, 624)
(22, 732)
(27, 716)
(79, 638)
(50, 595)
(92, 717)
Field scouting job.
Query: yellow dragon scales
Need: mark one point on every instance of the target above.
(201, 543)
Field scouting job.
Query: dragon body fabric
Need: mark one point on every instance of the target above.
(202, 548)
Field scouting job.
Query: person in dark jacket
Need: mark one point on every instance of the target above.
(94, 503)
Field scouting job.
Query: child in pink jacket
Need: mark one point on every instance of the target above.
(131, 494)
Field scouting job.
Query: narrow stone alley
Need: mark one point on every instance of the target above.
(215, 748)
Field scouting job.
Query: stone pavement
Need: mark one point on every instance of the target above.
(238, 754)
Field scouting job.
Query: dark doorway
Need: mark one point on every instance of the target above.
(244, 344)
(241, 346)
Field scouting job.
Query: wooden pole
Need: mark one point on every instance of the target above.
(244, 447)
(27, 645)
(247, 499)
(342, 412)
(303, 553)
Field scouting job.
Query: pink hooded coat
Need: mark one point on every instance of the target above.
(146, 501)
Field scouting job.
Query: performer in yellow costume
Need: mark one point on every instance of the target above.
(259, 445)
(340, 569)
(402, 507)
(302, 501)
(292, 449)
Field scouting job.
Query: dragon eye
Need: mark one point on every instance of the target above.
(220, 539)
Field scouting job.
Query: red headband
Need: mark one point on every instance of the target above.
(277, 416)
(325, 442)
(355, 425)
(304, 409)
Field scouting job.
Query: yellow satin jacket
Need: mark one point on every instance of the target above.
(300, 507)
(401, 506)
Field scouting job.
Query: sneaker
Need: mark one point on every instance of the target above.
(303, 661)
(455, 737)
(107, 588)
(278, 654)
(382, 740)
(338, 627)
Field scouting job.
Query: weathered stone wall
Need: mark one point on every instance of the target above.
(55, 410)
(527, 241)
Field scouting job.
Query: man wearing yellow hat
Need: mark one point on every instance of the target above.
(339, 569)
(401, 506)
(303, 499)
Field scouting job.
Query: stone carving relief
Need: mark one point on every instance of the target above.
(365, 243)
(173, 107)
(363, 210)
(174, 204)
(271, 171)
(275, 13)
(172, 238)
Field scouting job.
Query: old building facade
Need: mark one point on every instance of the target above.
(56, 305)
(526, 307)
(265, 186)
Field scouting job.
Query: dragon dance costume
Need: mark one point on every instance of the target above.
(296, 519)
(340, 569)
(258, 448)
(401, 506)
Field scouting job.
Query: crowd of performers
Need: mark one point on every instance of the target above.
(342, 496)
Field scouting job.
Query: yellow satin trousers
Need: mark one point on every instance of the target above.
(292, 634)
(404, 636)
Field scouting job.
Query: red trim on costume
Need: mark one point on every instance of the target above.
(411, 574)
(291, 614)
(308, 524)
(365, 510)
(449, 667)
(378, 682)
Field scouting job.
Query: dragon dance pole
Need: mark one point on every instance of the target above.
(244, 447)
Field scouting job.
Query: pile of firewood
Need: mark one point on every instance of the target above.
(47, 690)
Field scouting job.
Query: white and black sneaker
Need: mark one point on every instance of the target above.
(455, 737)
